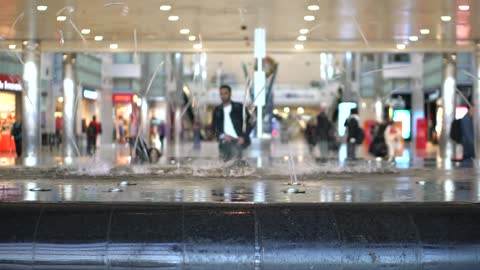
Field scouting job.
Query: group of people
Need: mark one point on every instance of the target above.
(386, 137)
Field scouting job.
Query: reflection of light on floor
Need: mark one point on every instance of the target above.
(68, 192)
(449, 189)
(342, 153)
(403, 161)
(29, 195)
(259, 192)
(7, 161)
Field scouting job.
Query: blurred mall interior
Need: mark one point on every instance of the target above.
(148, 73)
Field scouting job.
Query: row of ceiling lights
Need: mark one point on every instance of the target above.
(302, 37)
(426, 31)
(86, 31)
(304, 31)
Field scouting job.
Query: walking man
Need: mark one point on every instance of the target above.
(92, 133)
(228, 126)
(324, 132)
(16, 132)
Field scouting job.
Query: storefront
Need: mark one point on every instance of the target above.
(126, 107)
(89, 104)
(10, 106)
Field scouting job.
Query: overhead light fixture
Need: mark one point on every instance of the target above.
(300, 110)
(60, 99)
(12, 46)
(192, 38)
(98, 38)
(401, 46)
(197, 46)
(173, 18)
(165, 7)
(185, 31)
(446, 18)
(413, 38)
(299, 47)
(309, 18)
(113, 46)
(304, 31)
(464, 7)
(86, 31)
(425, 31)
(61, 18)
(301, 38)
(313, 7)
(286, 110)
(42, 8)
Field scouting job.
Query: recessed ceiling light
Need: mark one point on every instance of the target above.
(61, 18)
(464, 7)
(173, 18)
(413, 38)
(12, 46)
(86, 31)
(401, 46)
(304, 31)
(185, 31)
(98, 38)
(192, 38)
(425, 31)
(165, 7)
(113, 46)
(197, 46)
(299, 47)
(313, 7)
(309, 18)
(301, 38)
(42, 8)
(25, 42)
(446, 18)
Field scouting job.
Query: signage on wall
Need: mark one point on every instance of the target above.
(90, 94)
(10, 82)
(122, 98)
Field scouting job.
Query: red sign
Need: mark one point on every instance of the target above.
(10, 82)
(421, 134)
(122, 98)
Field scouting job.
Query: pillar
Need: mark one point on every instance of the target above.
(418, 99)
(476, 105)
(70, 148)
(378, 85)
(178, 100)
(31, 103)
(448, 106)
(259, 77)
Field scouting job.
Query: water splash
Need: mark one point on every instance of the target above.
(359, 28)
(18, 18)
(78, 31)
(62, 40)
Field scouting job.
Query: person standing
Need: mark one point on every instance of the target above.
(393, 140)
(94, 128)
(228, 126)
(354, 133)
(324, 132)
(162, 131)
(467, 135)
(16, 133)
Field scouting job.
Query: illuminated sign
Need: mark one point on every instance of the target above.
(90, 94)
(122, 98)
(405, 118)
(10, 86)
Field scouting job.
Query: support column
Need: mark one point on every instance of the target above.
(70, 148)
(418, 99)
(31, 103)
(448, 106)
(379, 87)
(178, 100)
(476, 105)
(259, 77)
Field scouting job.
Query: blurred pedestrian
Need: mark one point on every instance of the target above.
(16, 133)
(310, 135)
(393, 138)
(324, 132)
(355, 134)
(162, 131)
(468, 136)
(93, 129)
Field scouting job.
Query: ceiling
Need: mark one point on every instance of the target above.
(340, 25)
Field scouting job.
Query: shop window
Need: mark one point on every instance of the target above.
(399, 58)
(122, 58)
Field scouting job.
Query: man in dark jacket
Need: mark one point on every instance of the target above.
(353, 133)
(228, 126)
(467, 135)
(324, 132)
(16, 132)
